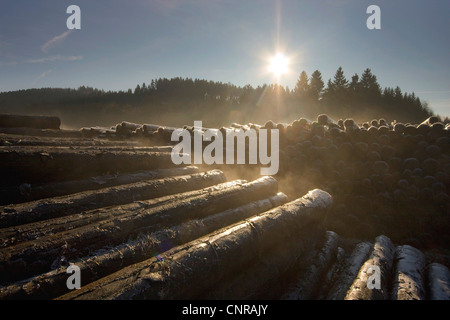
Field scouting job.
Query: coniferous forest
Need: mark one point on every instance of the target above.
(179, 101)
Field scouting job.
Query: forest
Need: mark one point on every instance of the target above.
(179, 101)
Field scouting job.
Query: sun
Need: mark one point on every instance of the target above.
(279, 64)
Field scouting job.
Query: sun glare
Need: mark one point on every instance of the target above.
(279, 65)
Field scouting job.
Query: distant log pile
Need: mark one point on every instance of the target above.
(23, 121)
(33, 165)
(111, 202)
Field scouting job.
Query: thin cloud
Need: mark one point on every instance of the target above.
(43, 60)
(54, 58)
(42, 75)
(54, 41)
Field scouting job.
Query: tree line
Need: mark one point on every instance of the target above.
(179, 101)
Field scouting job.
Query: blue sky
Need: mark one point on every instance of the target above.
(122, 43)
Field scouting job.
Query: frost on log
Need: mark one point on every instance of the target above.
(348, 198)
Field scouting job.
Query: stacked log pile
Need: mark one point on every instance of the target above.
(139, 227)
(385, 178)
(26, 121)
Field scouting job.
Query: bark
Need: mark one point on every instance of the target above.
(96, 131)
(42, 132)
(25, 165)
(37, 256)
(27, 192)
(268, 277)
(332, 274)
(429, 121)
(25, 140)
(307, 281)
(150, 127)
(438, 282)
(14, 235)
(409, 274)
(196, 267)
(53, 283)
(126, 128)
(22, 121)
(382, 256)
(17, 214)
(128, 147)
(349, 271)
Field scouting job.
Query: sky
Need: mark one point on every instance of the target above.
(122, 43)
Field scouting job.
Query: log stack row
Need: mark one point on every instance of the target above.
(139, 227)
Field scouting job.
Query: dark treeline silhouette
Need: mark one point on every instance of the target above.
(179, 101)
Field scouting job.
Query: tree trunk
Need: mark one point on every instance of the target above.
(349, 271)
(382, 257)
(37, 256)
(53, 283)
(57, 133)
(26, 193)
(27, 232)
(409, 274)
(38, 210)
(22, 121)
(45, 164)
(438, 282)
(268, 277)
(308, 281)
(196, 267)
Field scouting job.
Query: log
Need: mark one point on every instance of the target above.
(438, 281)
(326, 120)
(351, 126)
(37, 256)
(150, 127)
(24, 140)
(349, 271)
(125, 127)
(27, 192)
(268, 277)
(124, 148)
(96, 131)
(129, 147)
(20, 165)
(409, 274)
(53, 283)
(25, 121)
(332, 274)
(430, 121)
(17, 214)
(382, 256)
(307, 282)
(58, 133)
(190, 270)
(17, 234)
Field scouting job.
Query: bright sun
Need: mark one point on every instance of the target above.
(279, 65)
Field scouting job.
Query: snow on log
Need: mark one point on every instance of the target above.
(52, 284)
(37, 256)
(382, 258)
